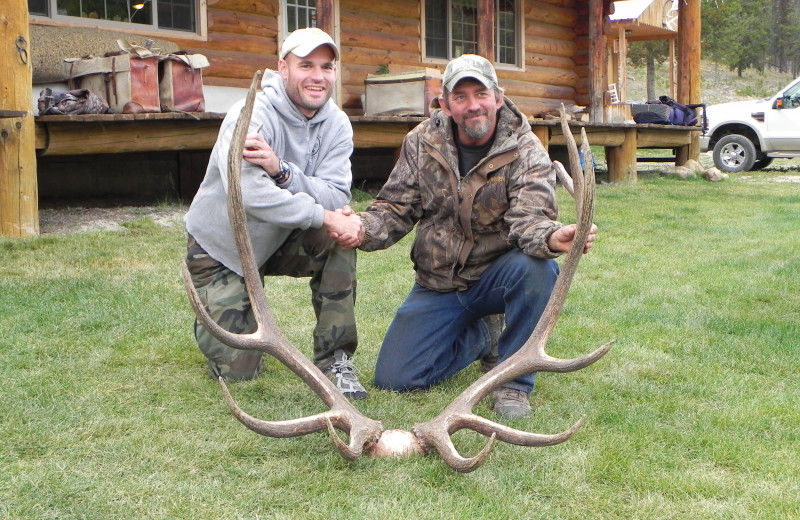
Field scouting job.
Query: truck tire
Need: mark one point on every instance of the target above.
(734, 153)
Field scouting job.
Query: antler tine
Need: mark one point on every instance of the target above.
(576, 164)
(564, 177)
(343, 417)
(531, 357)
(267, 337)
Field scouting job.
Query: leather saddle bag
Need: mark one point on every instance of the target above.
(181, 82)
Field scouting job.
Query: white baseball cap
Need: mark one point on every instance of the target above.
(302, 42)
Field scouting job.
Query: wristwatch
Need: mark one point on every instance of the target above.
(284, 169)
(283, 173)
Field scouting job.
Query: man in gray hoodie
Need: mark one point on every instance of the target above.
(296, 173)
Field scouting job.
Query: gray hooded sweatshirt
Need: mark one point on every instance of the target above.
(318, 151)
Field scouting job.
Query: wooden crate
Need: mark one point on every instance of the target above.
(402, 94)
(618, 113)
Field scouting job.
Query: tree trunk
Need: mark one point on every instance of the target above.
(651, 76)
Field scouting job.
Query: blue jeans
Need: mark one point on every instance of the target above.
(434, 335)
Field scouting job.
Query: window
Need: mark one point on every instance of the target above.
(791, 97)
(300, 14)
(436, 30)
(506, 30)
(179, 15)
(464, 26)
(451, 29)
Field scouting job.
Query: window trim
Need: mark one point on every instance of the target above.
(519, 34)
(284, 18)
(201, 33)
(327, 19)
(449, 38)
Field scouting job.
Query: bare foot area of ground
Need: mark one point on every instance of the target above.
(781, 178)
(77, 219)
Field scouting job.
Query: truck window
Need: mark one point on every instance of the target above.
(791, 97)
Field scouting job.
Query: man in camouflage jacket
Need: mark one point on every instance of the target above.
(480, 188)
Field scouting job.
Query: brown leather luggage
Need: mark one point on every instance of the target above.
(181, 82)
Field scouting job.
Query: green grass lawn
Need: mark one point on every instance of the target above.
(107, 412)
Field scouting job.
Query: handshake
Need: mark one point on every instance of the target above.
(345, 227)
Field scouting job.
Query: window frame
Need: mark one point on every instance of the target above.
(447, 10)
(486, 21)
(200, 32)
(284, 14)
(519, 40)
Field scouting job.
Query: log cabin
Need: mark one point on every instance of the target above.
(546, 52)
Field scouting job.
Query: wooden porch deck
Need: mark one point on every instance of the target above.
(120, 133)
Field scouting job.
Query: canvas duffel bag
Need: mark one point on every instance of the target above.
(127, 79)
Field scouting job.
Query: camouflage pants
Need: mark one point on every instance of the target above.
(306, 253)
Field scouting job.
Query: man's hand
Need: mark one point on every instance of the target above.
(561, 239)
(344, 227)
(257, 151)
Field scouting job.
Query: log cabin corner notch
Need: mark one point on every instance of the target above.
(552, 52)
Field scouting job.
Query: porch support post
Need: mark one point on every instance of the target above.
(543, 133)
(689, 68)
(19, 198)
(621, 160)
(597, 49)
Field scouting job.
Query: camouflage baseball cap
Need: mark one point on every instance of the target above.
(469, 66)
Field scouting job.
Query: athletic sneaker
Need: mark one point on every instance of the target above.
(343, 374)
(510, 403)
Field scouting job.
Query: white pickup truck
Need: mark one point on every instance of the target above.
(748, 135)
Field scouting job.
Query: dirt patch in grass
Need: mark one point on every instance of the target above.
(79, 219)
(780, 178)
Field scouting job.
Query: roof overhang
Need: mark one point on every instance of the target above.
(644, 19)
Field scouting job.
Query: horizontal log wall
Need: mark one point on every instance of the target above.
(375, 34)
(549, 77)
(243, 37)
(389, 33)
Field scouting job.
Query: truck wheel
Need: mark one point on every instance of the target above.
(734, 153)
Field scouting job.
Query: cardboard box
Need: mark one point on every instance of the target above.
(402, 94)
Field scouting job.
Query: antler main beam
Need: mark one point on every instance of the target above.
(531, 357)
(365, 434)
(267, 338)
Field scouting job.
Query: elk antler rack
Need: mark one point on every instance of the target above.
(365, 434)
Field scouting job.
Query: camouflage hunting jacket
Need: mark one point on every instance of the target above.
(465, 222)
